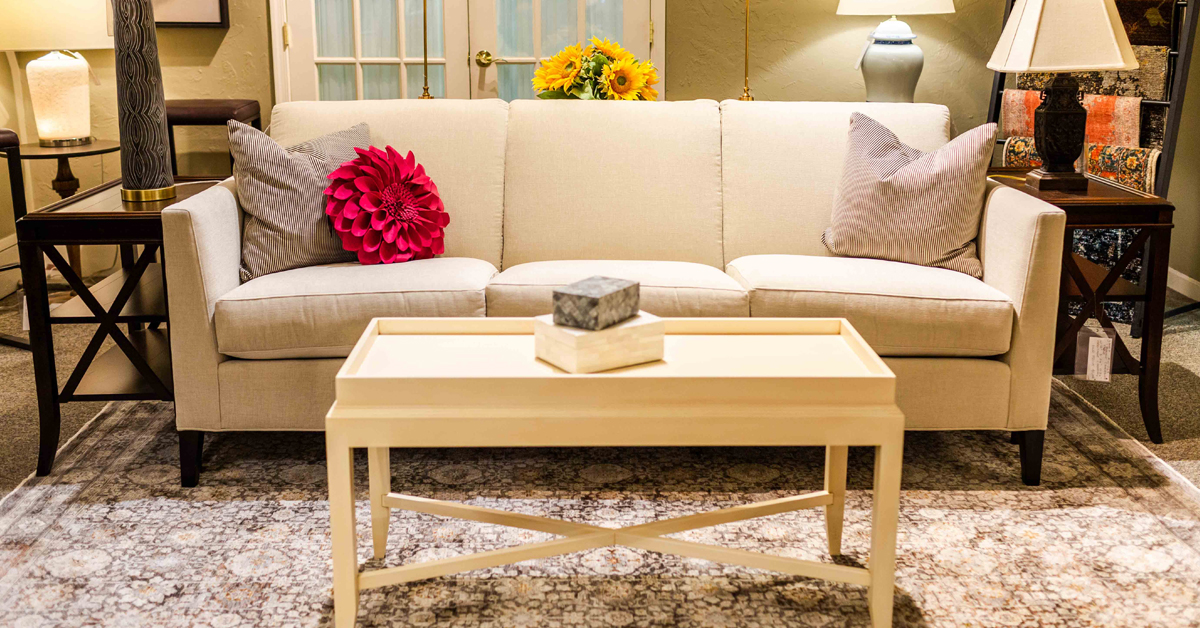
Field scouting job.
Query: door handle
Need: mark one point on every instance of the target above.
(484, 58)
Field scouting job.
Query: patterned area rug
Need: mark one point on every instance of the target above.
(1110, 539)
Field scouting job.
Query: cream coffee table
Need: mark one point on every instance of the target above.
(722, 382)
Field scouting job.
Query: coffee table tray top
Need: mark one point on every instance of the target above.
(475, 382)
(733, 372)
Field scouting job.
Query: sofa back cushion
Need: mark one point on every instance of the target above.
(460, 143)
(613, 180)
(782, 161)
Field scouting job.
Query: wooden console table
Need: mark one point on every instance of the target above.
(1109, 206)
(139, 366)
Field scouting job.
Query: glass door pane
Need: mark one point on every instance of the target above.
(380, 30)
(560, 21)
(514, 28)
(516, 81)
(381, 82)
(605, 19)
(336, 82)
(335, 28)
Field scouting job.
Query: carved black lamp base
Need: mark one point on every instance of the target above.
(1059, 127)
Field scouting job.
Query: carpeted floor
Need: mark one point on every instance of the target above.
(111, 539)
(1179, 393)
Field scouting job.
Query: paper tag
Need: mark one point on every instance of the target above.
(1099, 364)
(24, 314)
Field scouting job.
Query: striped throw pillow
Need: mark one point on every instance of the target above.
(900, 204)
(282, 192)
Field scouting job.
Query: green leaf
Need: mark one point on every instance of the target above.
(554, 94)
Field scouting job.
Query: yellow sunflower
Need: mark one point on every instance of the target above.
(651, 74)
(624, 79)
(610, 49)
(559, 71)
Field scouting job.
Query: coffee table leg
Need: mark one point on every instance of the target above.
(340, 461)
(380, 474)
(885, 515)
(835, 485)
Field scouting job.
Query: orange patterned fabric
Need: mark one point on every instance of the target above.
(1112, 120)
(1018, 111)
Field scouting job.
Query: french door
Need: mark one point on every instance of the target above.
(373, 49)
(510, 37)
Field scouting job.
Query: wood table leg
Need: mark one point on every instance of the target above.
(33, 277)
(835, 485)
(380, 476)
(885, 518)
(340, 463)
(1152, 332)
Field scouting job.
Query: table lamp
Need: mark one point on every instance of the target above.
(891, 63)
(1061, 36)
(58, 82)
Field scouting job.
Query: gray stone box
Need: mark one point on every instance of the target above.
(596, 303)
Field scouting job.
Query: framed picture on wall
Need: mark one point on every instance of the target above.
(192, 13)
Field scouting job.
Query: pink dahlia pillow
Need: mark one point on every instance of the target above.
(900, 204)
(385, 208)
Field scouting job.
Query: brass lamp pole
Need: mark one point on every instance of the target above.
(746, 89)
(425, 47)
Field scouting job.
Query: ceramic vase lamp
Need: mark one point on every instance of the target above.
(1062, 36)
(891, 62)
(58, 81)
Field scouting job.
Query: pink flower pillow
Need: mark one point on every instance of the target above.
(385, 208)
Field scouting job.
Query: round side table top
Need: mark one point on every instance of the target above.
(97, 147)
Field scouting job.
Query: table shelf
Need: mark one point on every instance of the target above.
(147, 304)
(111, 376)
(1122, 290)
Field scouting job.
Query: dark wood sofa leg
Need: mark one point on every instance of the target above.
(191, 449)
(1031, 444)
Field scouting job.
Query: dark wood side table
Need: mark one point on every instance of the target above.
(139, 366)
(66, 183)
(209, 112)
(1109, 206)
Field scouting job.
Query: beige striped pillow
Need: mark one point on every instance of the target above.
(900, 204)
(282, 192)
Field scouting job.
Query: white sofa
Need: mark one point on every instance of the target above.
(717, 209)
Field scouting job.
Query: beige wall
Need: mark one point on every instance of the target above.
(196, 63)
(802, 50)
(1185, 188)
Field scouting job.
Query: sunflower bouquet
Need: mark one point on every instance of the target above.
(602, 71)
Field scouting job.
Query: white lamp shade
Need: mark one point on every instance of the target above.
(894, 7)
(58, 89)
(1063, 36)
(38, 25)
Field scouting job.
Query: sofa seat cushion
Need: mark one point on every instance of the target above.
(667, 288)
(320, 311)
(900, 309)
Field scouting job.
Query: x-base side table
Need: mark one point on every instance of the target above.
(1105, 205)
(722, 382)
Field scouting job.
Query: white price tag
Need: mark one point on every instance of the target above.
(1099, 361)
(24, 314)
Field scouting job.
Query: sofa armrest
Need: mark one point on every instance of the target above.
(1020, 244)
(202, 250)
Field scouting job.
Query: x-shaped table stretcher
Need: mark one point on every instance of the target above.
(576, 537)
